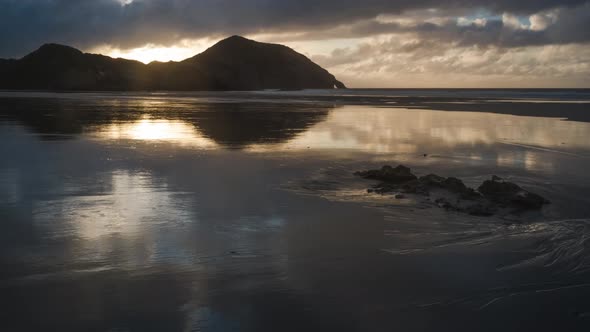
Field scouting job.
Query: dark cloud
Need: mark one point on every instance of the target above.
(25, 24)
(573, 27)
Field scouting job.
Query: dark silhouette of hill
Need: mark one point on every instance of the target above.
(58, 67)
(235, 63)
(231, 125)
(237, 126)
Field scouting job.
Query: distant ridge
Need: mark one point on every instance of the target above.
(235, 63)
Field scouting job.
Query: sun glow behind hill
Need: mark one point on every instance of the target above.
(187, 48)
(151, 52)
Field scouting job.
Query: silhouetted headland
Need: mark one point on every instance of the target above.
(235, 63)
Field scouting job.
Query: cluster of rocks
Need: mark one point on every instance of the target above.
(490, 197)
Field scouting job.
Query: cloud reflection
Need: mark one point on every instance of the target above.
(385, 130)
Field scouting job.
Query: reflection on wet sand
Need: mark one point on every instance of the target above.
(386, 130)
(152, 215)
(292, 126)
(157, 130)
(522, 142)
(133, 202)
(179, 121)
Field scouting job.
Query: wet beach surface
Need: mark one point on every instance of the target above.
(240, 212)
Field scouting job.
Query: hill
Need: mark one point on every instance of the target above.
(235, 63)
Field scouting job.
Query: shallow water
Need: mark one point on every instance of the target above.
(239, 212)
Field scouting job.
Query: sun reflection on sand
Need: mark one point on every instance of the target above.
(150, 129)
(134, 208)
(132, 201)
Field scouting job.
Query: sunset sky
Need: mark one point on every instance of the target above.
(371, 43)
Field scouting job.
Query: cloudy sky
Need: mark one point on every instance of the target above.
(365, 43)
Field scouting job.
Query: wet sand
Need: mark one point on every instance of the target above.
(240, 212)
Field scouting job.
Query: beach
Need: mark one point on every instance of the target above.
(240, 211)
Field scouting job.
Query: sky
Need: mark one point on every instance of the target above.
(365, 43)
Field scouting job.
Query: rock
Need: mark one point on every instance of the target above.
(410, 187)
(415, 187)
(432, 180)
(529, 200)
(454, 185)
(451, 184)
(397, 175)
(496, 178)
(497, 188)
(508, 193)
(493, 196)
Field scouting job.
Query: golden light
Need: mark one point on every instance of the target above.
(152, 52)
(148, 54)
(165, 131)
(162, 130)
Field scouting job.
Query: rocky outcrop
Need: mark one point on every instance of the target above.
(452, 194)
(451, 184)
(400, 174)
(235, 63)
(510, 194)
